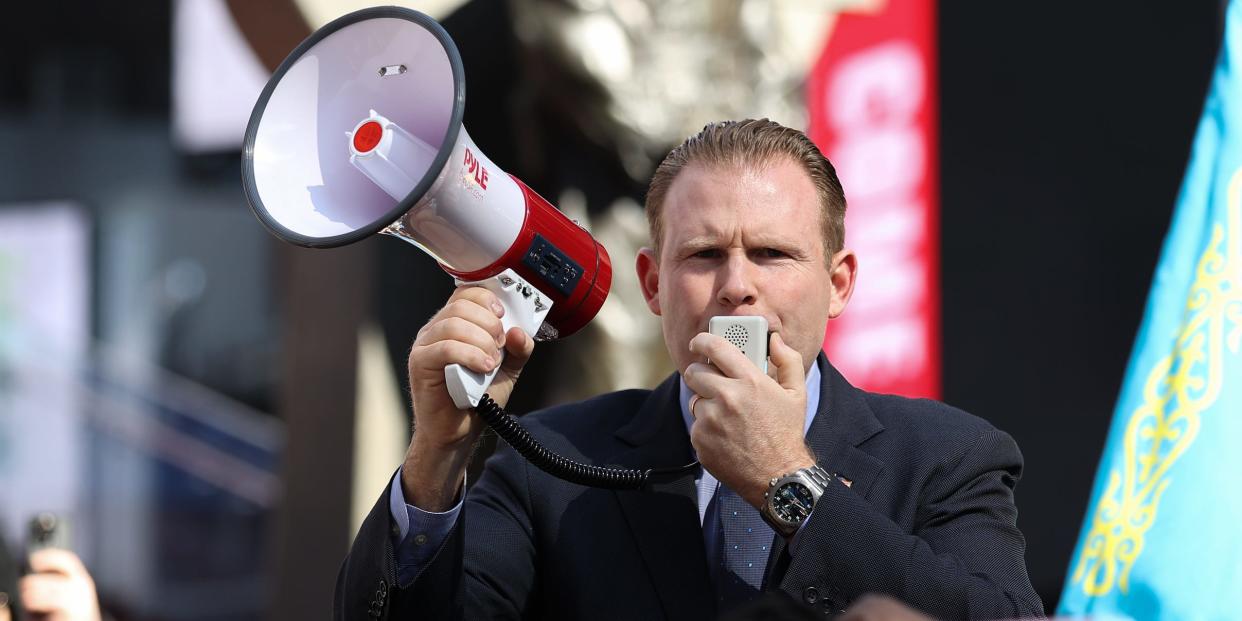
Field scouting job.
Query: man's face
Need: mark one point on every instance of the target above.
(744, 240)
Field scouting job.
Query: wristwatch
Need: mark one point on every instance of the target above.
(791, 497)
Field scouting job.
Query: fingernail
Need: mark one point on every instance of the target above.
(489, 362)
(500, 340)
(498, 309)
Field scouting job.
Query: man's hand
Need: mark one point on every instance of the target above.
(748, 427)
(58, 588)
(467, 331)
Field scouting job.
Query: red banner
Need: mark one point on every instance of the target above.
(871, 98)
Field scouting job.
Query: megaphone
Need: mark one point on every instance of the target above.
(359, 132)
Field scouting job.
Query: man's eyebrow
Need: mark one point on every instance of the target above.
(708, 242)
(699, 242)
(775, 241)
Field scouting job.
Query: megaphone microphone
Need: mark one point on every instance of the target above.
(359, 131)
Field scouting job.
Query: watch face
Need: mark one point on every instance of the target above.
(792, 502)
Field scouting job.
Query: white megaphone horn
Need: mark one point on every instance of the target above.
(359, 132)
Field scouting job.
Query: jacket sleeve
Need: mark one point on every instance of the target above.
(484, 568)
(963, 560)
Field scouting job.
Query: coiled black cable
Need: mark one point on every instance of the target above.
(561, 467)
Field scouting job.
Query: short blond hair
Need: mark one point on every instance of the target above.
(752, 142)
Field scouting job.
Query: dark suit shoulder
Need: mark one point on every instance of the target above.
(928, 418)
(938, 433)
(588, 421)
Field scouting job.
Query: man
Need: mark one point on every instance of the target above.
(905, 497)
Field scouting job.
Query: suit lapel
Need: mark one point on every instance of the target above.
(843, 421)
(664, 519)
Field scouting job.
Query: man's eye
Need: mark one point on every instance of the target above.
(772, 253)
(706, 254)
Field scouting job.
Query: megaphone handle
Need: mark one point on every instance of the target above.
(525, 307)
(466, 387)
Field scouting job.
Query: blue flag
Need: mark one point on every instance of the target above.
(1162, 538)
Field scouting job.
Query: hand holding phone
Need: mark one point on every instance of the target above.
(58, 585)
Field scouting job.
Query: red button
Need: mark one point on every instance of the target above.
(368, 136)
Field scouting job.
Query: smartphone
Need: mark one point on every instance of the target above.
(47, 530)
(748, 333)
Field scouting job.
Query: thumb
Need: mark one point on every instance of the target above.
(518, 348)
(788, 363)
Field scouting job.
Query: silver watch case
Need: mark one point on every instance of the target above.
(791, 497)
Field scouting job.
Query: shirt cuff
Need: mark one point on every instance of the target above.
(419, 533)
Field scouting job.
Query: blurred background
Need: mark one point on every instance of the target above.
(213, 412)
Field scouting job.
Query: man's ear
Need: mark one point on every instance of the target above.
(843, 273)
(648, 267)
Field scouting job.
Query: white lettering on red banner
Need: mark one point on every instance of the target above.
(870, 100)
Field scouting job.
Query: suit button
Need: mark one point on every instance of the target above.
(810, 595)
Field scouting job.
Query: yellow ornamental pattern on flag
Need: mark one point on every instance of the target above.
(1178, 390)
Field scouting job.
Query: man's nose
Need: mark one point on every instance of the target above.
(737, 282)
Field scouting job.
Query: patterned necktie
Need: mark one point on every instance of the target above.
(743, 552)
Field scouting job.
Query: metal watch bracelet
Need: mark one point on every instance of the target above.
(811, 477)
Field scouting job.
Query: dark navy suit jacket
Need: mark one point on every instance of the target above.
(929, 518)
